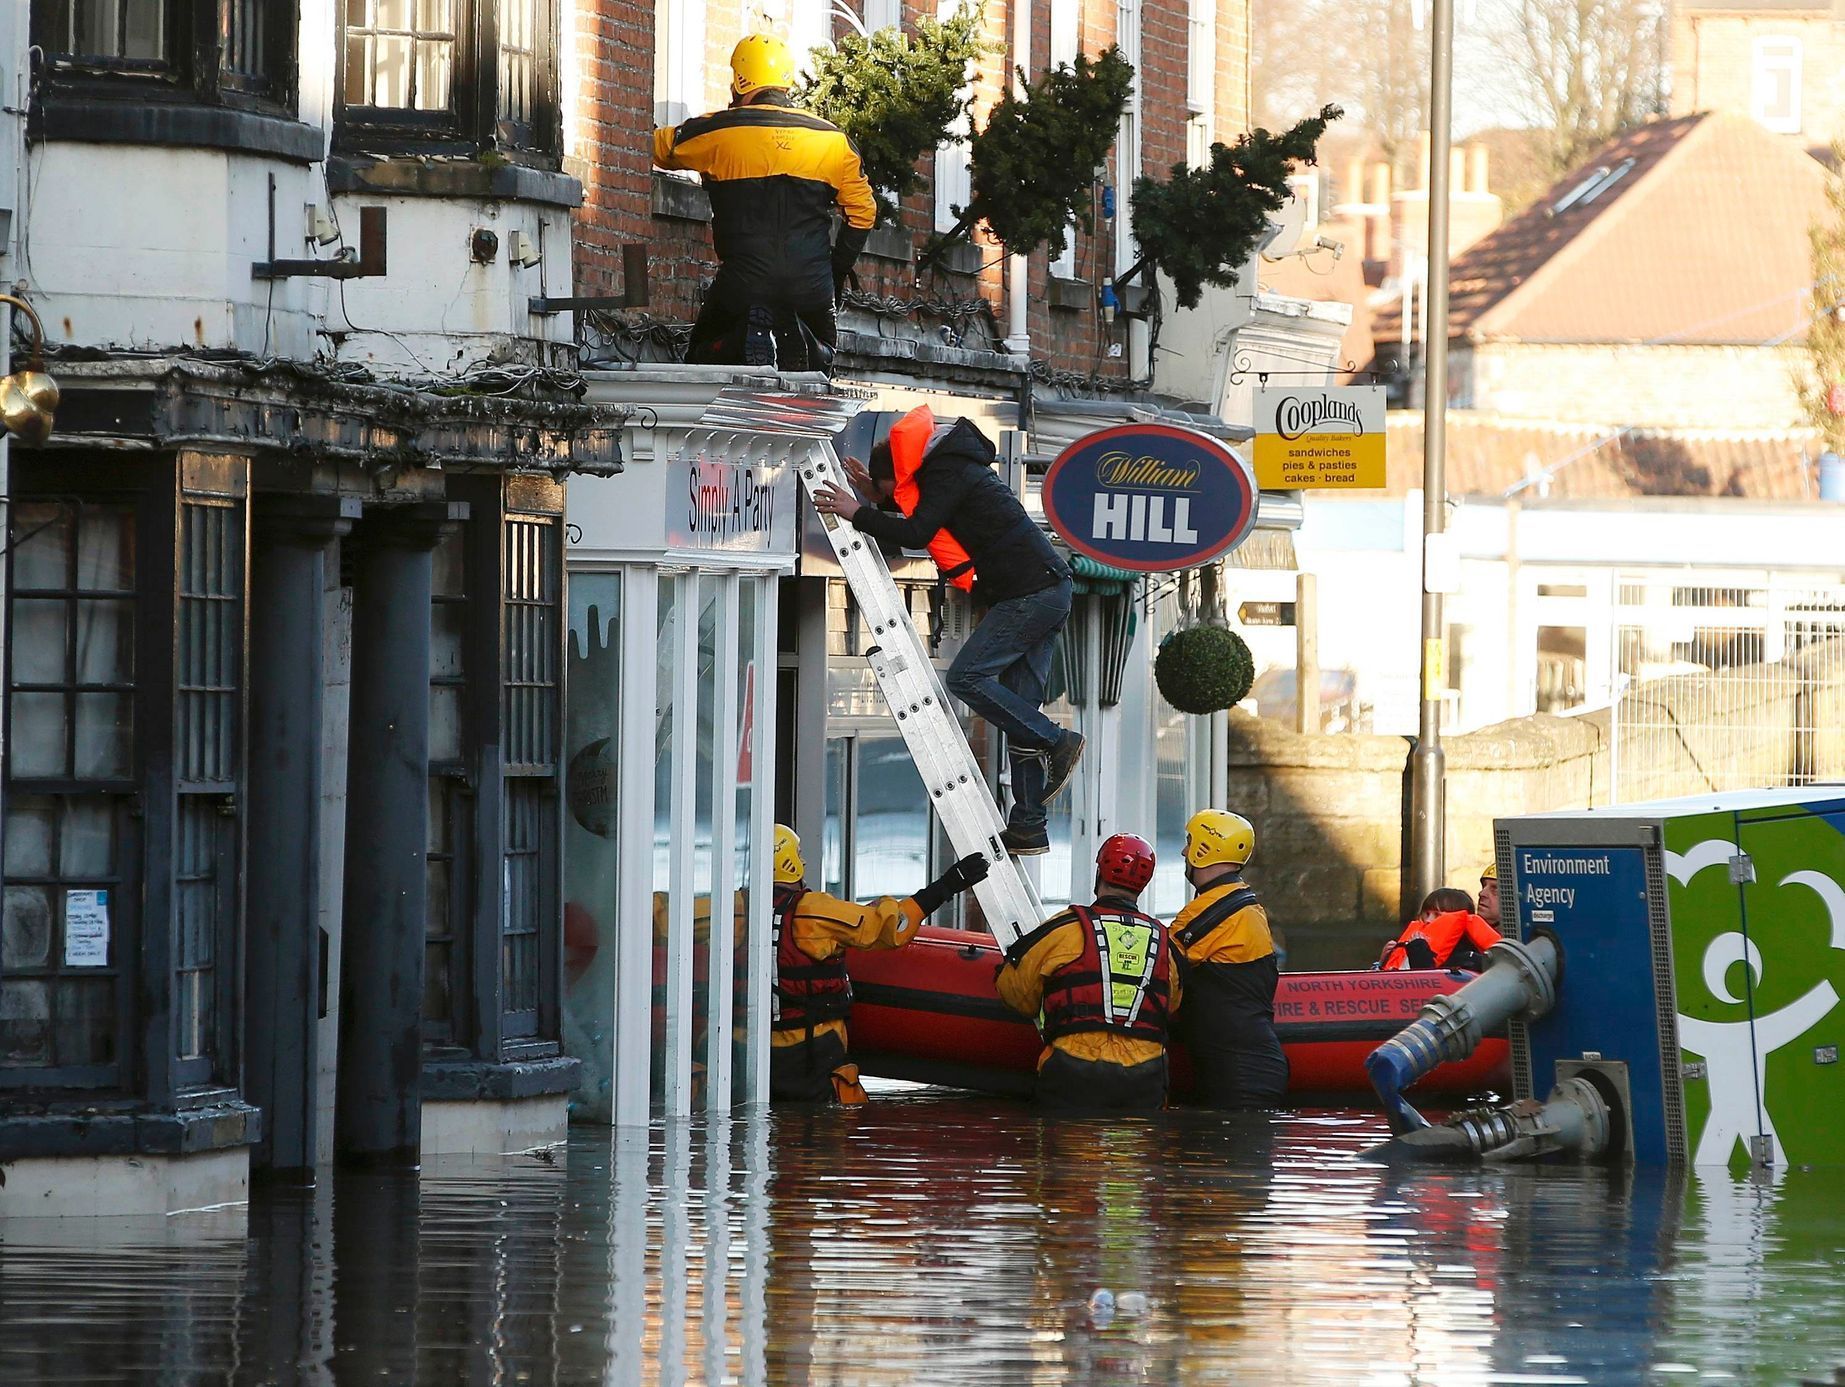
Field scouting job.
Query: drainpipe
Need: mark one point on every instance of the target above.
(1018, 267)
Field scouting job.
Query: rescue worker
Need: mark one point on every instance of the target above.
(774, 174)
(1445, 934)
(1227, 957)
(808, 1059)
(1100, 981)
(940, 477)
(1488, 909)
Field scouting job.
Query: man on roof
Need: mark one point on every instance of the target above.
(774, 174)
(939, 476)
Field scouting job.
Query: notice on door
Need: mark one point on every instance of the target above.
(86, 929)
(1327, 438)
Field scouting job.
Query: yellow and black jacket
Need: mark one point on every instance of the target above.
(1057, 969)
(774, 175)
(1228, 960)
(812, 933)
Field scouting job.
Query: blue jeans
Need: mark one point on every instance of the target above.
(1002, 674)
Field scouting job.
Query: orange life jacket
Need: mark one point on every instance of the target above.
(1438, 935)
(1102, 992)
(807, 992)
(909, 440)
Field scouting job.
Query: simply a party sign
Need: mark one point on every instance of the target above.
(1150, 497)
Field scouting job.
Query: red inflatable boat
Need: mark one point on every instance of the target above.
(929, 1013)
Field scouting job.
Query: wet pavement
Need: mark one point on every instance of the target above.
(952, 1241)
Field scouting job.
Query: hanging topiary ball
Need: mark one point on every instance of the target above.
(1204, 669)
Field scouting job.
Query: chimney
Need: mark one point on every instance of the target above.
(1377, 224)
(1477, 169)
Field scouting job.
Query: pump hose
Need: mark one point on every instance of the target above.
(1520, 980)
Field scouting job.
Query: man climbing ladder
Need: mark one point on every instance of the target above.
(941, 478)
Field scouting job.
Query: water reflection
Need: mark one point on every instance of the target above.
(950, 1240)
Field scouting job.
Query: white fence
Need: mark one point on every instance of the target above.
(1726, 681)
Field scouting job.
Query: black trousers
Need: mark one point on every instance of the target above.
(799, 321)
(1067, 1084)
(804, 1073)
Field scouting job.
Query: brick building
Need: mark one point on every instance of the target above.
(634, 67)
(1779, 62)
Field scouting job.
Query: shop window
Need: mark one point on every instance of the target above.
(707, 910)
(217, 50)
(67, 942)
(592, 742)
(468, 75)
(209, 672)
(667, 722)
(532, 685)
(448, 861)
(750, 658)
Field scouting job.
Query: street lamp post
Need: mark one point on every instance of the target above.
(1426, 761)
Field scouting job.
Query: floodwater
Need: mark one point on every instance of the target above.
(951, 1241)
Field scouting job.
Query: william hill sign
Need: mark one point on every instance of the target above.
(1150, 497)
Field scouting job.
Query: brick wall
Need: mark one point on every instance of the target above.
(614, 56)
(1644, 386)
(1713, 65)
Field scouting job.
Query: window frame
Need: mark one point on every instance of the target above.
(192, 71)
(1777, 54)
(472, 124)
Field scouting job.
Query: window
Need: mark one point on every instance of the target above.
(1127, 142)
(882, 14)
(208, 756)
(806, 24)
(1201, 56)
(67, 946)
(532, 657)
(1774, 97)
(679, 60)
(248, 44)
(1066, 32)
(953, 173)
(466, 75)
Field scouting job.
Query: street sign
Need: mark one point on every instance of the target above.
(1150, 497)
(1266, 613)
(1320, 437)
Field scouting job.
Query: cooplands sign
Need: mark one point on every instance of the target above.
(1328, 437)
(1150, 497)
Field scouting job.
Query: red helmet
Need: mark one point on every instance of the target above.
(1126, 860)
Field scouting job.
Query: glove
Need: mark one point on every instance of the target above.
(951, 883)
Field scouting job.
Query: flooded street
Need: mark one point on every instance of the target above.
(952, 1241)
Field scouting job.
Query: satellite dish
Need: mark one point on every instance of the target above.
(1295, 219)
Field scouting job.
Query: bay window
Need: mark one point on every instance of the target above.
(216, 52)
(450, 76)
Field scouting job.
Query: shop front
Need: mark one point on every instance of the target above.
(669, 748)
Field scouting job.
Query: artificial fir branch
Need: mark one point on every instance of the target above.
(897, 96)
(1034, 162)
(1202, 226)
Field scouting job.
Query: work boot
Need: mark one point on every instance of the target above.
(1060, 763)
(1025, 842)
(759, 337)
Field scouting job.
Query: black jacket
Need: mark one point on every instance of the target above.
(961, 493)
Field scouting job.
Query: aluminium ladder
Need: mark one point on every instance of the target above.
(957, 787)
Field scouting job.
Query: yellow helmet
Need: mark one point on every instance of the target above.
(1491, 873)
(760, 62)
(790, 866)
(1217, 837)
